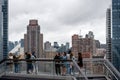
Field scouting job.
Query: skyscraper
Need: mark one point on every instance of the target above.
(56, 45)
(108, 34)
(3, 29)
(67, 46)
(33, 39)
(116, 33)
(47, 46)
(86, 46)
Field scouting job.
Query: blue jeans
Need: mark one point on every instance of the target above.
(16, 67)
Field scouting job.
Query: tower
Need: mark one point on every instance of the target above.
(33, 39)
(108, 33)
(116, 33)
(3, 29)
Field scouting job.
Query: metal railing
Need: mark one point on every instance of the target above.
(100, 67)
(76, 65)
(91, 67)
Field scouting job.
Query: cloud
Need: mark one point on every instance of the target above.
(59, 19)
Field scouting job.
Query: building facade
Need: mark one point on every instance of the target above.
(33, 40)
(56, 45)
(108, 34)
(97, 43)
(86, 46)
(47, 46)
(3, 29)
(116, 33)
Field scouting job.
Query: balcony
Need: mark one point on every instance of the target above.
(44, 69)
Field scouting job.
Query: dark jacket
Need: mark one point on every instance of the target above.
(57, 59)
(80, 62)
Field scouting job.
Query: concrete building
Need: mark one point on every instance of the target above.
(108, 34)
(3, 29)
(101, 52)
(33, 40)
(85, 45)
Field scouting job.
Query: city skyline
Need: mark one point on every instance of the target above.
(59, 20)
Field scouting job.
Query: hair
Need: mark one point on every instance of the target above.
(26, 53)
(80, 54)
(65, 54)
(71, 55)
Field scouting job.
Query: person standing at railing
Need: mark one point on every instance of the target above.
(71, 63)
(64, 66)
(80, 60)
(29, 63)
(16, 63)
(57, 64)
(33, 56)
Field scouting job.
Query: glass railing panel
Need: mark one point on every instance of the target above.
(2, 68)
(91, 67)
(44, 67)
(31, 67)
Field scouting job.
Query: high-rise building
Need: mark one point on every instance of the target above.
(47, 46)
(10, 45)
(85, 45)
(108, 34)
(33, 40)
(67, 46)
(22, 42)
(3, 29)
(61, 48)
(97, 43)
(56, 45)
(116, 33)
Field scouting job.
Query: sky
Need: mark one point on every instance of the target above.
(59, 19)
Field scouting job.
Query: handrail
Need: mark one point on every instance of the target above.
(3, 70)
(79, 69)
(108, 65)
(114, 70)
(37, 59)
(2, 61)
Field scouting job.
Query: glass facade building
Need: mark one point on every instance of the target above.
(3, 28)
(116, 33)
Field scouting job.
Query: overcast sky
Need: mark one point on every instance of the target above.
(58, 19)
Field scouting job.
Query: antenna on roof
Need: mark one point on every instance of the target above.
(80, 36)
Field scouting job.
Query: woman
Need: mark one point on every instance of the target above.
(80, 60)
(71, 63)
(57, 63)
(64, 57)
(16, 63)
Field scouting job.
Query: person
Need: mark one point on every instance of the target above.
(64, 57)
(80, 60)
(16, 63)
(34, 63)
(29, 63)
(57, 63)
(71, 63)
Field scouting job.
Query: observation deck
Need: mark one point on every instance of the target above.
(44, 69)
